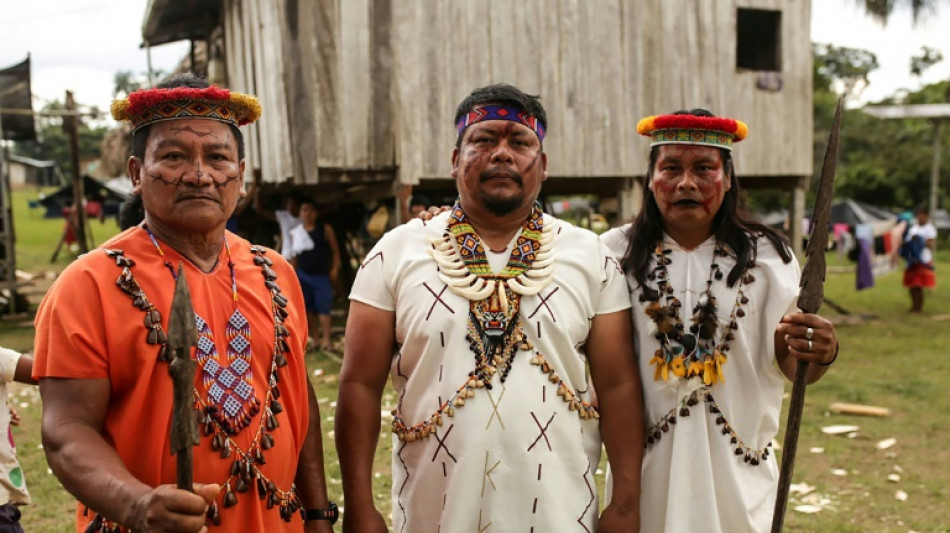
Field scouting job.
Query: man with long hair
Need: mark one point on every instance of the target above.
(716, 327)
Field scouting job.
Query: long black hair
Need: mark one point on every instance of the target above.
(732, 225)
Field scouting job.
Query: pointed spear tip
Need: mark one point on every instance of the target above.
(181, 320)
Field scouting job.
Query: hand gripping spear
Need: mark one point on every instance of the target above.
(809, 300)
(181, 337)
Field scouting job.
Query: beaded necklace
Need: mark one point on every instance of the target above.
(245, 472)
(495, 333)
(696, 354)
(229, 384)
(494, 330)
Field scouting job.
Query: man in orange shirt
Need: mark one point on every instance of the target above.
(101, 354)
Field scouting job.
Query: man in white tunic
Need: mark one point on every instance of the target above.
(716, 326)
(488, 317)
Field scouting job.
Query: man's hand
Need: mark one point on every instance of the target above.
(432, 211)
(618, 518)
(14, 417)
(364, 521)
(167, 508)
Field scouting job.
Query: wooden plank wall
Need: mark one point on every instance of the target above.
(253, 56)
(599, 66)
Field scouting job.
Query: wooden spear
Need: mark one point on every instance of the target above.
(809, 300)
(182, 335)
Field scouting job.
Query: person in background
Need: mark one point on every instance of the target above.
(287, 218)
(13, 493)
(316, 257)
(918, 249)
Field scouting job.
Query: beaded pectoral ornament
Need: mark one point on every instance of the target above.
(696, 354)
(495, 332)
(219, 419)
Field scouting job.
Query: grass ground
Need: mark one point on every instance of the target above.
(893, 360)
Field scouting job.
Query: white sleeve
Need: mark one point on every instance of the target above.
(372, 285)
(8, 361)
(929, 232)
(614, 294)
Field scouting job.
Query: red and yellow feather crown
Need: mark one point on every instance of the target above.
(718, 132)
(148, 106)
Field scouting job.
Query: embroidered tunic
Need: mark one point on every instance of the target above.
(692, 478)
(514, 457)
(87, 328)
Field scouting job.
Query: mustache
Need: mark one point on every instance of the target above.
(505, 173)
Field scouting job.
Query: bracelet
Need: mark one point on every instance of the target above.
(331, 514)
(837, 346)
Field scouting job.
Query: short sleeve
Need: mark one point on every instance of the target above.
(372, 285)
(8, 361)
(70, 326)
(614, 295)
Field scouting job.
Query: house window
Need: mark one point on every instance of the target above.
(759, 39)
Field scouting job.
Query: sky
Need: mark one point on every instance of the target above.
(81, 44)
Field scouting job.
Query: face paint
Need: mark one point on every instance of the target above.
(689, 184)
(497, 167)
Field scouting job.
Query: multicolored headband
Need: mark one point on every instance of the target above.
(148, 106)
(500, 112)
(718, 132)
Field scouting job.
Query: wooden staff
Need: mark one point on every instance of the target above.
(809, 300)
(182, 335)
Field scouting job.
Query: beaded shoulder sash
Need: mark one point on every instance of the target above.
(245, 472)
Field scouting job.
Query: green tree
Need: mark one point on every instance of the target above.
(51, 143)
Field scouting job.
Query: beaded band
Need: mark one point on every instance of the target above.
(500, 112)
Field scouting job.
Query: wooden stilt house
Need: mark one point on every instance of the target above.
(360, 94)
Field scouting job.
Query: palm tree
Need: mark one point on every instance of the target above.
(881, 10)
(124, 83)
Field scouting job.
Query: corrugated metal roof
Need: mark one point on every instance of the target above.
(168, 21)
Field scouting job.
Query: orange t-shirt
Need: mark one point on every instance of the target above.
(87, 328)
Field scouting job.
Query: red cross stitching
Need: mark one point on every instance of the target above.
(442, 445)
(593, 498)
(608, 260)
(543, 430)
(370, 260)
(544, 302)
(438, 299)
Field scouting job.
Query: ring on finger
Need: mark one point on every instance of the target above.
(809, 333)
(809, 345)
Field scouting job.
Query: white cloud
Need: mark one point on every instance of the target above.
(843, 23)
(79, 45)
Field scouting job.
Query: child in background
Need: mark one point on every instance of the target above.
(13, 493)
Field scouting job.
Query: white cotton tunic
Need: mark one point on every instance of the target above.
(513, 458)
(692, 478)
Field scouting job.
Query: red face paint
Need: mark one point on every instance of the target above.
(498, 162)
(689, 184)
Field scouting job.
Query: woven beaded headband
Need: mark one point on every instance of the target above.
(148, 106)
(717, 132)
(501, 112)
